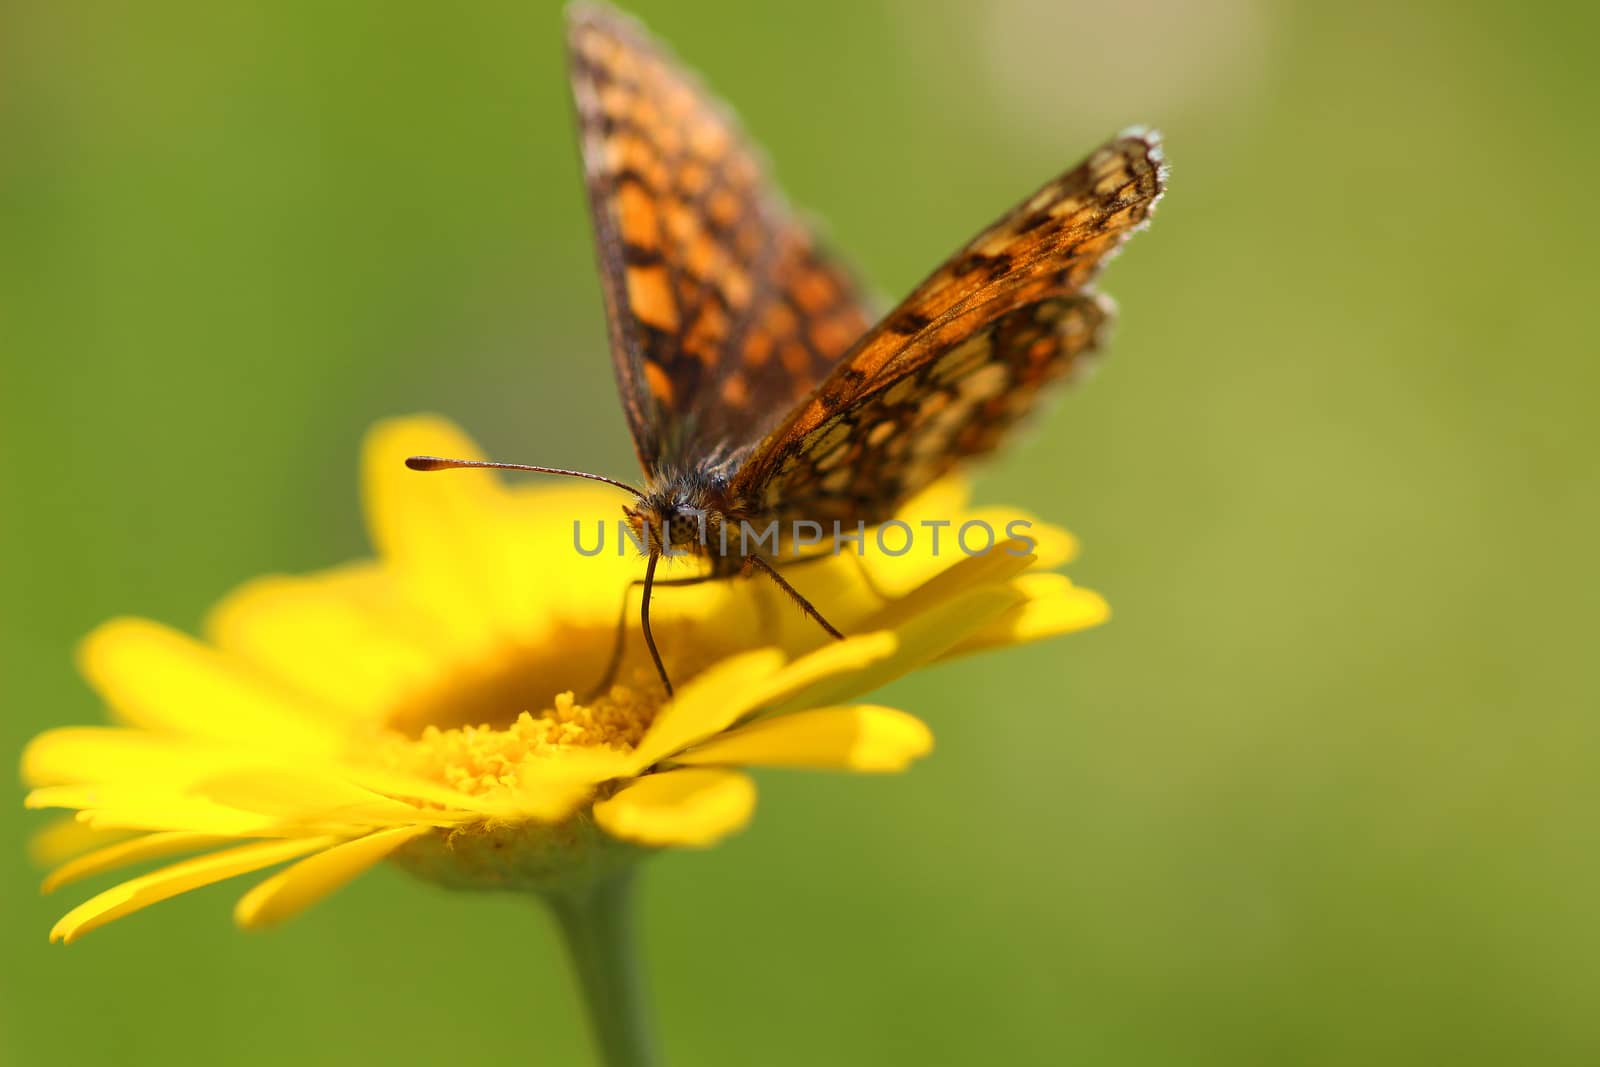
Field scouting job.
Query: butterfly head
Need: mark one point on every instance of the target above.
(678, 514)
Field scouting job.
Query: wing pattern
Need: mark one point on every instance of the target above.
(724, 313)
(945, 375)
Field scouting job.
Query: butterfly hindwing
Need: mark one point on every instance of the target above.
(946, 374)
(860, 464)
(723, 311)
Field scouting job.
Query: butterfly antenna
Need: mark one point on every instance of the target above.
(438, 463)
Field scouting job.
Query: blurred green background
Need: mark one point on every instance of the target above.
(1324, 791)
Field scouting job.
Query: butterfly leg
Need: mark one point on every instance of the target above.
(766, 620)
(756, 563)
(620, 642)
(644, 623)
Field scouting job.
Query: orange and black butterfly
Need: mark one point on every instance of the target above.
(756, 382)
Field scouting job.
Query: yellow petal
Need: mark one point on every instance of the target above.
(444, 804)
(973, 572)
(225, 789)
(303, 797)
(1051, 544)
(944, 502)
(836, 659)
(542, 562)
(157, 678)
(136, 850)
(195, 815)
(121, 806)
(946, 497)
(1054, 606)
(440, 532)
(65, 837)
(296, 888)
(858, 738)
(553, 788)
(689, 808)
(141, 892)
(708, 703)
(108, 753)
(917, 641)
(341, 637)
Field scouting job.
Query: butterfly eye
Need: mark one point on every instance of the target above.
(688, 525)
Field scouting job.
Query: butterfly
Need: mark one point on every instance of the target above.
(756, 382)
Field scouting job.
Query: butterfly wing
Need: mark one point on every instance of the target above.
(945, 375)
(723, 311)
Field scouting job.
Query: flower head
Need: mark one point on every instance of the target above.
(432, 705)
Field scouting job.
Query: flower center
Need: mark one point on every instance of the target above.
(484, 723)
(483, 758)
(496, 687)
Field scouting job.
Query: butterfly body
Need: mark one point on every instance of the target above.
(758, 383)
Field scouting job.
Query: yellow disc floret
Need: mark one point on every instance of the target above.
(477, 760)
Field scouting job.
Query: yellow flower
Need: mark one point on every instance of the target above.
(421, 706)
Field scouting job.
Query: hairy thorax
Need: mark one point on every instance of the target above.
(692, 514)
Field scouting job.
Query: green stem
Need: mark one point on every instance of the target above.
(596, 923)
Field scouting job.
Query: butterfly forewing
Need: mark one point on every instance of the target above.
(723, 311)
(946, 374)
